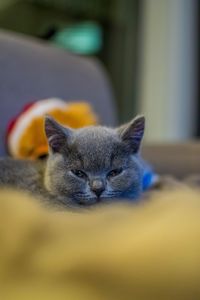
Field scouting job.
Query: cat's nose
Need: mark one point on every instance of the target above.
(97, 186)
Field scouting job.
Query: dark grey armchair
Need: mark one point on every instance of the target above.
(31, 70)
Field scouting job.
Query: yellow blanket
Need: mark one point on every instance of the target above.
(145, 251)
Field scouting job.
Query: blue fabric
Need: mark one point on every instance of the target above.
(149, 176)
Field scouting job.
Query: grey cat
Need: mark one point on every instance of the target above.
(85, 166)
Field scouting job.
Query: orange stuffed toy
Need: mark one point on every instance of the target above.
(25, 134)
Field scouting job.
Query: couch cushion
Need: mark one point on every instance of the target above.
(179, 160)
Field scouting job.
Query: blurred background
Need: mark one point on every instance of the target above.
(150, 49)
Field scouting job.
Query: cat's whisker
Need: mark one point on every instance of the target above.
(113, 194)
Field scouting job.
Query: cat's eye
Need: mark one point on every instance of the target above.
(114, 172)
(79, 173)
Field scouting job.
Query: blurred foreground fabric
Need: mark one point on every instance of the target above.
(145, 251)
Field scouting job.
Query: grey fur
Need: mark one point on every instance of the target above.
(78, 168)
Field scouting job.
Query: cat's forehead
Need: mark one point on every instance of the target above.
(96, 135)
(96, 145)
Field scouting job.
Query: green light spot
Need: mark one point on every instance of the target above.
(83, 38)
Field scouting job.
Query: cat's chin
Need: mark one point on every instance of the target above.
(88, 201)
(96, 201)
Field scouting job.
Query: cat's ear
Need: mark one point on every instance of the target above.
(57, 135)
(132, 133)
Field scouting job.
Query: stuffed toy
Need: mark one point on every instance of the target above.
(25, 134)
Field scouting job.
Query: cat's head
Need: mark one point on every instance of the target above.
(94, 163)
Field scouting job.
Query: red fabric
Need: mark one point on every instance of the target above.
(12, 123)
